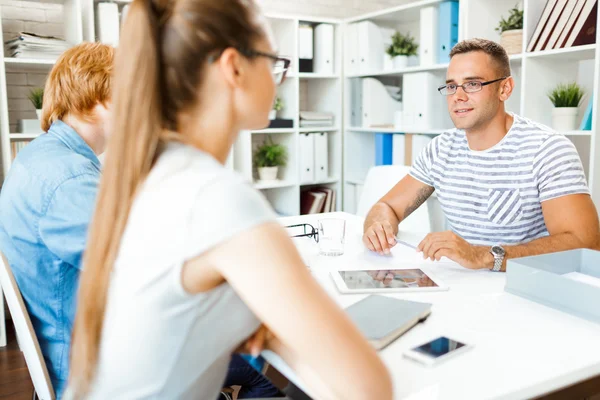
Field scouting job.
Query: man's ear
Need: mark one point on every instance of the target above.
(506, 88)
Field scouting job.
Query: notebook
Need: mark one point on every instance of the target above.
(384, 319)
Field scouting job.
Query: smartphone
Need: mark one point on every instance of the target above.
(437, 351)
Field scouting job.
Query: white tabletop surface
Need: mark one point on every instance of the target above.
(521, 349)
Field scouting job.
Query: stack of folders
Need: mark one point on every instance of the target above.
(384, 319)
(565, 23)
(314, 119)
(317, 200)
(30, 45)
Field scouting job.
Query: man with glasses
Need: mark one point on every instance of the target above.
(509, 187)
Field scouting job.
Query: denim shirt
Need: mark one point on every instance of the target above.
(46, 204)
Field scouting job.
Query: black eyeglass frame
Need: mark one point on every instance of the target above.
(251, 53)
(314, 233)
(463, 86)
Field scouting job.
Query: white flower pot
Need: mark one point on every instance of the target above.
(564, 119)
(400, 62)
(272, 114)
(268, 173)
(39, 114)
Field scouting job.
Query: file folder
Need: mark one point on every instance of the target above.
(422, 103)
(321, 156)
(351, 49)
(429, 35)
(384, 145)
(586, 122)
(370, 47)
(377, 104)
(305, 47)
(398, 149)
(307, 158)
(324, 49)
(107, 20)
(356, 100)
(448, 30)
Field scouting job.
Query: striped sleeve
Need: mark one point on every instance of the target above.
(421, 168)
(558, 169)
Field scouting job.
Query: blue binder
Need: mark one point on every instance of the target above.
(447, 30)
(384, 145)
(586, 122)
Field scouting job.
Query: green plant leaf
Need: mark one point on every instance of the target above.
(402, 45)
(278, 104)
(566, 95)
(270, 154)
(36, 96)
(514, 21)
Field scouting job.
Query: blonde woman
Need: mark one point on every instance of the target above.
(185, 260)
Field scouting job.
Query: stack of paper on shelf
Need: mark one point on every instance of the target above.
(30, 45)
(565, 23)
(314, 118)
(317, 200)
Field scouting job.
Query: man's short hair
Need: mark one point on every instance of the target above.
(80, 79)
(492, 49)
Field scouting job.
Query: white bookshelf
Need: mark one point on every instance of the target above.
(535, 74)
(302, 91)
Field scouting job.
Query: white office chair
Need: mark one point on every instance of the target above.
(25, 333)
(379, 181)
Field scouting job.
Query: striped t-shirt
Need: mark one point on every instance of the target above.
(494, 196)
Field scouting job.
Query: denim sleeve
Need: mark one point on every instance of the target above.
(64, 226)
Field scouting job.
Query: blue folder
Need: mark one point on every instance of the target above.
(384, 144)
(586, 122)
(447, 30)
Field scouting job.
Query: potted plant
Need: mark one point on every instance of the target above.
(36, 96)
(268, 158)
(511, 31)
(277, 106)
(566, 99)
(402, 47)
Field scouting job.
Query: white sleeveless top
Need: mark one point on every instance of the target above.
(160, 342)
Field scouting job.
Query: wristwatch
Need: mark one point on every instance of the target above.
(498, 252)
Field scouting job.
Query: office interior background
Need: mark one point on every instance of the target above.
(333, 123)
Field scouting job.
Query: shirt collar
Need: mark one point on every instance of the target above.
(71, 138)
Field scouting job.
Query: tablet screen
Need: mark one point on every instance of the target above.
(382, 279)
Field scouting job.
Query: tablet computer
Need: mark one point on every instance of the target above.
(386, 281)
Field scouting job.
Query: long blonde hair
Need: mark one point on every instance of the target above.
(159, 65)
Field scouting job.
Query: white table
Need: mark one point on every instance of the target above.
(521, 349)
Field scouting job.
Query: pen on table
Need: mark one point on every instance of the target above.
(412, 246)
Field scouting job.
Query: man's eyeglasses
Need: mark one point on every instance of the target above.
(280, 64)
(468, 87)
(309, 231)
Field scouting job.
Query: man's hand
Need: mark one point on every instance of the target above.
(380, 237)
(449, 244)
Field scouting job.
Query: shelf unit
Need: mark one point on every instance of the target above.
(534, 73)
(301, 91)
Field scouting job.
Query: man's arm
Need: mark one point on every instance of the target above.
(572, 222)
(381, 224)
(64, 226)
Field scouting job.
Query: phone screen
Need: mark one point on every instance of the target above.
(439, 347)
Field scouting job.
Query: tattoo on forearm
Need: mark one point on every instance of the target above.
(422, 196)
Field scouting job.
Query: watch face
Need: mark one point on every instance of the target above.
(498, 251)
